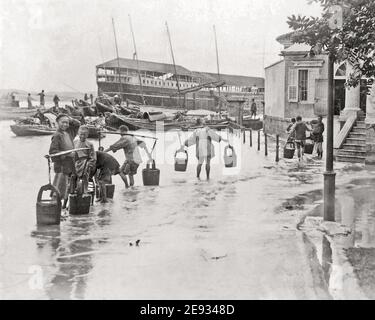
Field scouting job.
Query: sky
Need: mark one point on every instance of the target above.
(56, 44)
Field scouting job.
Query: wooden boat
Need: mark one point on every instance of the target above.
(23, 130)
(116, 120)
(254, 124)
(102, 108)
(12, 113)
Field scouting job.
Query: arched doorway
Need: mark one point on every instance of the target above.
(340, 79)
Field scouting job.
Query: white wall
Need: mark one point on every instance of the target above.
(275, 90)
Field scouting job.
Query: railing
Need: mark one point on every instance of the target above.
(344, 132)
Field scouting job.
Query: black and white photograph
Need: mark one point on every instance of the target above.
(201, 150)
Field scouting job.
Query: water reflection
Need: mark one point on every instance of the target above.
(70, 248)
(326, 259)
(47, 235)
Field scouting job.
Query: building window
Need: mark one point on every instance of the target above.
(303, 84)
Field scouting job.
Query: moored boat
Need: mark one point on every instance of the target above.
(254, 124)
(11, 113)
(23, 130)
(116, 120)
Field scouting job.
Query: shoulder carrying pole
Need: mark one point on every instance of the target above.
(49, 169)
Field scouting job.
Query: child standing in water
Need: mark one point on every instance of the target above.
(85, 159)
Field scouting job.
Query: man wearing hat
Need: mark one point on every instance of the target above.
(62, 140)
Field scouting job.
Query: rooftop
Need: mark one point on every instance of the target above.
(233, 80)
(297, 48)
(145, 66)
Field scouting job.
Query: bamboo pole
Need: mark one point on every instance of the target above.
(277, 148)
(136, 55)
(174, 63)
(118, 59)
(218, 69)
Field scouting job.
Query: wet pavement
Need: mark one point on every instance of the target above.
(347, 254)
(233, 237)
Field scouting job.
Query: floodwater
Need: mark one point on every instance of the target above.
(197, 239)
(347, 259)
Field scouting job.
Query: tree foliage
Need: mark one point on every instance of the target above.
(355, 42)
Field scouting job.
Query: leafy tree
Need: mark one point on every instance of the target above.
(355, 42)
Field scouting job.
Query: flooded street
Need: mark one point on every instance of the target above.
(228, 238)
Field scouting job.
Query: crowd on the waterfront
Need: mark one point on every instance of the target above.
(56, 99)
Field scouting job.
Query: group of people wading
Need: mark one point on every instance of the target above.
(77, 168)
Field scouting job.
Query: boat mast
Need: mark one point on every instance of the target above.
(174, 63)
(218, 70)
(136, 55)
(102, 55)
(118, 59)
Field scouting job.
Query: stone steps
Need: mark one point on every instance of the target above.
(359, 141)
(353, 146)
(360, 124)
(351, 152)
(359, 129)
(350, 158)
(359, 135)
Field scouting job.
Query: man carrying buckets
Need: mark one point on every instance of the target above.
(299, 129)
(202, 137)
(130, 145)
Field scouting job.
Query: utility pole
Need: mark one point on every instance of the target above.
(329, 174)
(335, 22)
(218, 70)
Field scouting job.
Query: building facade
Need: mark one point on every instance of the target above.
(298, 85)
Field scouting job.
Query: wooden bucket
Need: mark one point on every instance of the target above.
(48, 212)
(79, 204)
(151, 176)
(180, 164)
(309, 146)
(110, 190)
(230, 157)
(289, 150)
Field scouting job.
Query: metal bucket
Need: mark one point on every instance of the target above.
(79, 204)
(151, 176)
(180, 164)
(48, 212)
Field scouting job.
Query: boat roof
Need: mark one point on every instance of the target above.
(145, 66)
(51, 117)
(200, 112)
(233, 80)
